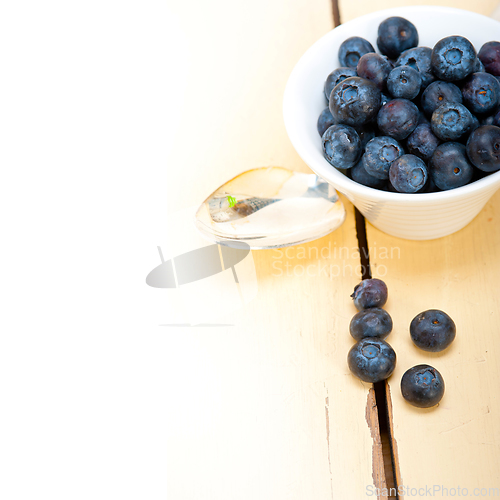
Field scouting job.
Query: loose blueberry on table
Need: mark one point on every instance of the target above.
(369, 293)
(371, 360)
(422, 386)
(432, 330)
(427, 101)
(373, 322)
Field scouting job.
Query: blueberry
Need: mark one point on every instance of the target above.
(487, 120)
(398, 118)
(395, 35)
(496, 118)
(380, 152)
(438, 93)
(430, 186)
(384, 99)
(408, 174)
(453, 58)
(355, 101)
(325, 121)
(371, 360)
(418, 58)
(375, 68)
(359, 174)
(483, 148)
(335, 77)
(373, 322)
(422, 386)
(341, 146)
(369, 293)
(474, 125)
(422, 142)
(489, 55)
(478, 66)
(366, 133)
(449, 166)
(451, 121)
(422, 118)
(432, 330)
(352, 49)
(404, 82)
(481, 93)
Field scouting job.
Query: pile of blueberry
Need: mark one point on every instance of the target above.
(413, 119)
(372, 359)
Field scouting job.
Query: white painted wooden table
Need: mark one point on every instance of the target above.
(267, 409)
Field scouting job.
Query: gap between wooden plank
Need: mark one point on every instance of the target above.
(385, 459)
(384, 455)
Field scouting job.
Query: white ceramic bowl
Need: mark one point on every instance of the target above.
(411, 216)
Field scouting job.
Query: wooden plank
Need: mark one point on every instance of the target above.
(280, 416)
(352, 9)
(456, 444)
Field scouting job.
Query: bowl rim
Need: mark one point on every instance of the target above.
(330, 173)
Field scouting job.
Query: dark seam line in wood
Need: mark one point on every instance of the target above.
(364, 252)
(380, 388)
(336, 13)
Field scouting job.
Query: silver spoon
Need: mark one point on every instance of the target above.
(270, 207)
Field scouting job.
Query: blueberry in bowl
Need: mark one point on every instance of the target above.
(450, 166)
(422, 142)
(325, 121)
(398, 118)
(375, 68)
(481, 92)
(342, 146)
(379, 154)
(451, 121)
(359, 174)
(483, 148)
(395, 35)
(355, 101)
(422, 386)
(453, 58)
(489, 55)
(426, 213)
(352, 49)
(404, 82)
(418, 58)
(438, 93)
(335, 77)
(408, 174)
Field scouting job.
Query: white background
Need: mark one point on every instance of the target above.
(90, 95)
